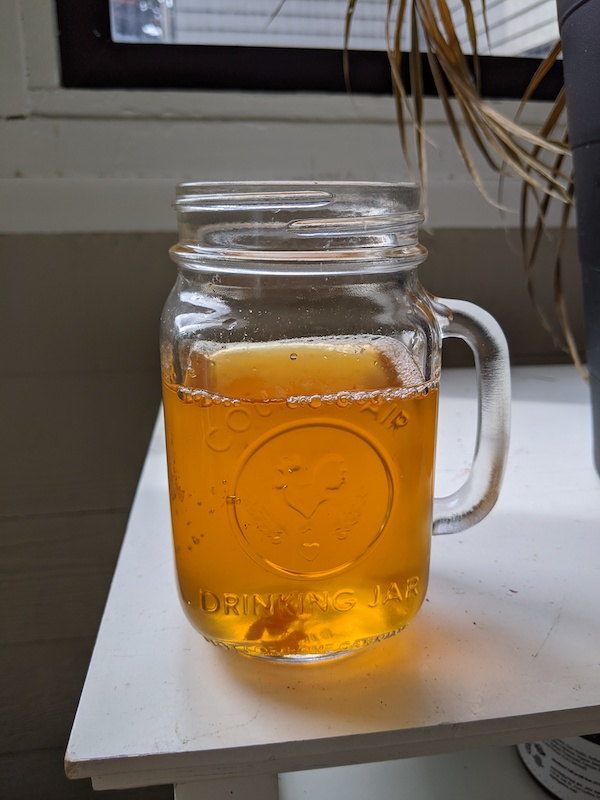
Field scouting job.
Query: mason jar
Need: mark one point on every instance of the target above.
(301, 364)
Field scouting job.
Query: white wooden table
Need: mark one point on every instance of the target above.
(506, 648)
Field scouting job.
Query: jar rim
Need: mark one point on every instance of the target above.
(298, 227)
(190, 195)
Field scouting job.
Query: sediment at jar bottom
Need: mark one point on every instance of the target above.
(301, 521)
(306, 623)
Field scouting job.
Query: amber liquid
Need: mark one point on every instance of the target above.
(301, 478)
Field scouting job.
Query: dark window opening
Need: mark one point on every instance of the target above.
(143, 51)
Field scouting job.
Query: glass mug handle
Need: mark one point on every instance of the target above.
(472, 501)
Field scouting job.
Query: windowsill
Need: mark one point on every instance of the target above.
(221, 105)
(109, 160)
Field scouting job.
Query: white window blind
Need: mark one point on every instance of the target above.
(515, 27)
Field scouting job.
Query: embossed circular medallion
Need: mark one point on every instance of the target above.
(311, 499)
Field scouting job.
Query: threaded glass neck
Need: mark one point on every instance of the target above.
(298, 228)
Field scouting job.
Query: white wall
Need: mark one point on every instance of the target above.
(76, 161)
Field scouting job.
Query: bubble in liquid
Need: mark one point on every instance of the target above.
(291, 402)
(315, 401)
(293, 356)
(203, 400)
(342, 401)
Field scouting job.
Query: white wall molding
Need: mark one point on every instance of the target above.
(96, 205)
(83, 160)
(14, 96)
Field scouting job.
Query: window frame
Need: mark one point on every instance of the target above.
(90, 59)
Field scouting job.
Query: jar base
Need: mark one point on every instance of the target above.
(303, 658)
(264, 653)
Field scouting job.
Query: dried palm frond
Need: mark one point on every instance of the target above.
(507, 147)
(531, 235)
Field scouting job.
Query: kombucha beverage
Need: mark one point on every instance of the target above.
(301, 483)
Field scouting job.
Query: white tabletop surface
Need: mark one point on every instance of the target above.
(505, 649)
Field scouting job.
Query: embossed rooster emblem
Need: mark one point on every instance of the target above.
(307, 486)
(309, 504)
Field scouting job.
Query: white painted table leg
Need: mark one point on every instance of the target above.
(257, 787)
